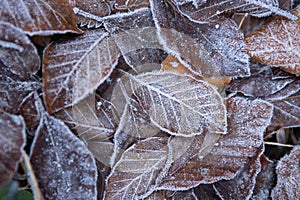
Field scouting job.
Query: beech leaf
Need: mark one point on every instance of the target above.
(39, 17)
(178, 104)
(216, 49)
(64, 167)
(75, 67)
(207, 159)
(277, 44)
(12, 142)
(288, 176)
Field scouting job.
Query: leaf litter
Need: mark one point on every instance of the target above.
(129, 91)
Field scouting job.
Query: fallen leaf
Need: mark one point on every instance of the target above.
(288, 176)
(242, 185)
(74, 68)
(12, 142)
(40, 17)
(138, 170)
(179, 105)
(64, 167)
(277, 44)
(207, 158)
(172, 195)
(216, 49)
(206, 192)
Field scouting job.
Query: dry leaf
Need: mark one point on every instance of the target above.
(12, 142)
(277, 44)
(75, 67)
(39, 17)
(216, 49)
(64, 167)
(288, 176)
(172, 195)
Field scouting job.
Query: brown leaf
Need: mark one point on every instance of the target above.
(40, 17)
(12, 142)
(265, 179)
(206, 11)
(95, 121)
(286, 113)
(206, 192)
(84, 9)
(138, 170)
(207, 159)
(288, 176)
(242, 185)
(74, 68)
(216, 49)
(277, 44)
(64, 167)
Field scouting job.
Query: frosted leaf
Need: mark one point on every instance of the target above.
(84, 9)
(265, 180)
(261, 83)
(95, 121)
(138, 170)
(206, 192)
(286, 113)
(242, 185)
(74, 68)
(136, 4)
(64, 167)
(210, 10)
(277, 44)
(18, 56)
(291, 89)
(179, 104)
(216, 49)
(135, 35)
(12, 142)
(172, 195)
(213, 159)
(40, 17)
(288, 176)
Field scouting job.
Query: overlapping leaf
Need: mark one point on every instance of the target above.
(209, 159)
(12, 142)
(206, 11)
(64, 167)
(288, 176)
(286, 113)
(95, 122)
(241, 187)
(179, 105)
(19, 62)
(277, 44)
(40, 17)
(138, 170)
(216, 49)
(135, 35)
(74, 68)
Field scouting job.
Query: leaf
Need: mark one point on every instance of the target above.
(206, 192)
(138, 170)
(172, 195)
(40, 17)
(207, 158)
(64, 167)
(74, 68)
(216, 49)
(179, 105)
(261, 83)
(84, 9)
(18, 56)
(12, 142)
(242, 185)
(286, 113)
(135, 35)
(265, 179)
(207, 11)
(288, 176)
(95, 121)
(277, 44)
